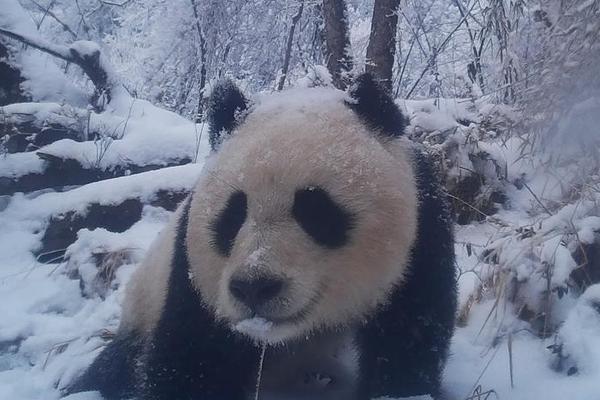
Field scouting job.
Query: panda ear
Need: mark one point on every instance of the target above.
(375, 106)
(225, 106)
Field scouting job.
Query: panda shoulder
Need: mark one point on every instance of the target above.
(148, 286)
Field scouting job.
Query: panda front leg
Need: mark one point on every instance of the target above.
(403, 349)
(198, 359)
(113, 371)
(405, 344)
(191, 355)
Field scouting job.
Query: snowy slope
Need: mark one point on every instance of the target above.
(51, 329)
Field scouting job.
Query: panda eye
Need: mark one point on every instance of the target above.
(321, 218)
(229, 222)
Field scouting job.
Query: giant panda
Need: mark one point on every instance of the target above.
(312, 260)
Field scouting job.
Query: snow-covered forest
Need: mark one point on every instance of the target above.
(103, 132)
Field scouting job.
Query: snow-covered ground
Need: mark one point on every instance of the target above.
(50, 328)
(495, 347)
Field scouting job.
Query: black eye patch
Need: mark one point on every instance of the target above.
(229, 222)
(326, 222)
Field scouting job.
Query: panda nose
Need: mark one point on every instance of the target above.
(256, 291)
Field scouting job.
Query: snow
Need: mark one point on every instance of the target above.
(84, 396)
(532, 377)
(51, 327)
(135, 132)
(438, 114)
(39, 111)
(472, 355)
(579, 334)
(113, 191)
(14, 17)
(479, 357)
(85, 47)
(19, 164)
(254, 259)
(254, 327)
(44, 79)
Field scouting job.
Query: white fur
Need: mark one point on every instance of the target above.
(147, 289)
(287, 142)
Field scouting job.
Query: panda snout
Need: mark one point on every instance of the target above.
(256, 291)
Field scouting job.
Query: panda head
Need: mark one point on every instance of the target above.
(306, 211)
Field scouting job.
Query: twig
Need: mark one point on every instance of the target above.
(47, 11)
(110, 3)
(479, 394)
(438, 50)
(510, 360)
(483, 371)
(537, 199)
(489, 217)
(260, 368)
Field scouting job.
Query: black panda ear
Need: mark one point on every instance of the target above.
(225, 105)
(375, 106)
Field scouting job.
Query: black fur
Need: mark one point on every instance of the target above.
(112, 371)
(229, 222)
(225, 105)
(376, 107)
(405, 346)
(327, 223)
(188, 354)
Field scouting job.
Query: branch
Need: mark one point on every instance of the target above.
(83, 53)
(288, 47)
(202, 62)
(438, 50)
(110, 3)
(61, 52)
(47, 11)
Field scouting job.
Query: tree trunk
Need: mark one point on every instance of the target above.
(10, 80)
(382, 42)
(288, 47)
(337, 41)
(202, 86)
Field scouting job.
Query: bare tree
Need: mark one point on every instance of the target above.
(288, 47)
(337, 41)
(10, 79)
(382, 41)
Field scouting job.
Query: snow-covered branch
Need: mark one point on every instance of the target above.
(83, 53)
